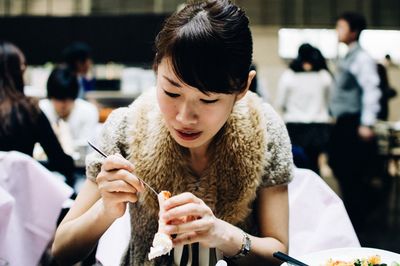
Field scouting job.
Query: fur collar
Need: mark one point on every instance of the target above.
(228, 186)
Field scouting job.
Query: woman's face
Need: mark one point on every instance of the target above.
(192, 117)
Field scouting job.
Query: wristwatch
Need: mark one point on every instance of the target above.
(245, 249)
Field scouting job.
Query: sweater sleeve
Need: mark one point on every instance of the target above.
(112, 140)
(279, 161)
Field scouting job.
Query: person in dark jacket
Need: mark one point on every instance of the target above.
(22, 123)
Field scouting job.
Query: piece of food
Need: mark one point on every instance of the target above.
(162, 243)
(370, 261)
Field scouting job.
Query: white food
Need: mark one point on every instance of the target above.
(162, 244)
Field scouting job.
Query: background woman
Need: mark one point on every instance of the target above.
(303, 96)
(22, 122)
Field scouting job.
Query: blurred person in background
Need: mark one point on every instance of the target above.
(303, 96)
(22, 122)
(387, 91)
(388, 62)
(78, 59)
(72, 118)
(355, 105)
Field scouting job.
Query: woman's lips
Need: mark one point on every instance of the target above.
(188, 135)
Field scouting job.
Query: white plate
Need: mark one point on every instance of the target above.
(347, 254)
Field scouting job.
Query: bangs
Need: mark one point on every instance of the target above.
(201, 62)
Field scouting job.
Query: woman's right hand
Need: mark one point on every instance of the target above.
(117, 185)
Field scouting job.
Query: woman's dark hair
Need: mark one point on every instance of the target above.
(308, 54)
(209, 44)
(62, 84)
(75, 53)
(15, 107)
(356, 21)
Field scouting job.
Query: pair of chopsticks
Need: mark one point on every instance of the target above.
(289, 260)
(105, 156)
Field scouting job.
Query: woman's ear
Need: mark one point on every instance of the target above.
(252, 74)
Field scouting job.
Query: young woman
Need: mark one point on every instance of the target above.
(303, 95)
(223, 154)
(22, 122)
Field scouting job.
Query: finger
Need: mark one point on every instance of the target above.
(194, 226)
(177, 221)
(187, 238)
(181, 199)
(132, 180)
(126, 176)
(120, 197)
(115, 162)
(117, 186)
(189, 209)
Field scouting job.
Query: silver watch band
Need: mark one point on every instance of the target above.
(245, 249)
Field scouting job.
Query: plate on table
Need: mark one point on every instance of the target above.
(321, 258)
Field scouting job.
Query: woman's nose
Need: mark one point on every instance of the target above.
(187, 115)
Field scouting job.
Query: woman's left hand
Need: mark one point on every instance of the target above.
(199, 223)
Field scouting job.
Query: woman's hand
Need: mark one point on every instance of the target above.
(199, 223)
(117, 185)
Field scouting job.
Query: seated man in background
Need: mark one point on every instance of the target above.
(73, 119)
(77, 57)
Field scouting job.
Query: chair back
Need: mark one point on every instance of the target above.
(318, 219)
(33, 199)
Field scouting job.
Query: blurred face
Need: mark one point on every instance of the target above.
(84, 66)
(63, 107)
(307, 66)
(345, 34)
(192, 117)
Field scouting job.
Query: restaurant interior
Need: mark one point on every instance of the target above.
(119, 36)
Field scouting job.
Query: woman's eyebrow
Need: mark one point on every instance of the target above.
(174, 83)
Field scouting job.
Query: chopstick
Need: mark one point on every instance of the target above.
(105, 156)
(289, 260)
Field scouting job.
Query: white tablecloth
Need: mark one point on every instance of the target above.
(31, 199)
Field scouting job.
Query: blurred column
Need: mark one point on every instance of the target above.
(158, 6)
(83, 7)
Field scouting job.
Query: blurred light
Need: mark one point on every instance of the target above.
(291, 39)
(377, 43)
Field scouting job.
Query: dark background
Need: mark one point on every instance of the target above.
(127, 39)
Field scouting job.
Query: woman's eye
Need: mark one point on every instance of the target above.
(209, 101)
(170, 94)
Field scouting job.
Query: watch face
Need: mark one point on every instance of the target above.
(247, 245)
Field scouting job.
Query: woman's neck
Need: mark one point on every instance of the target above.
(199, 159)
